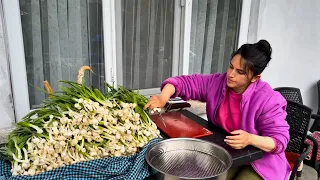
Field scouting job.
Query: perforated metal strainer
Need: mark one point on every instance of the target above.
(188, 158)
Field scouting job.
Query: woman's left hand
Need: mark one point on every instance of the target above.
(239, 140)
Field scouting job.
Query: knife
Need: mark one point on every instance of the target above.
(160, 115)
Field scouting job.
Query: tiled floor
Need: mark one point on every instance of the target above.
(308, 173)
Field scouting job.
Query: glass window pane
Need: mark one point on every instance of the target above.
(214, 34)
(60, 37)
(147, 40)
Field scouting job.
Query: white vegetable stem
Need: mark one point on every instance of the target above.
(94, 131)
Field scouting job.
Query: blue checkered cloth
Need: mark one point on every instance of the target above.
(133, 167)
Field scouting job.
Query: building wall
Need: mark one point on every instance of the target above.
(6, 105)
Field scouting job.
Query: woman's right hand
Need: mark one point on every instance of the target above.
(158, 101)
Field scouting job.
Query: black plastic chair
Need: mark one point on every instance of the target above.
(290, 93)
(294, 94)
(298, 118)
(316, 125)
(314, 157)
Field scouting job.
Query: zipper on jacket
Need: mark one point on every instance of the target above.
(255, 169)
(219, 103)
(241, 104)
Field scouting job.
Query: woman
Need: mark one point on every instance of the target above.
(243, 105)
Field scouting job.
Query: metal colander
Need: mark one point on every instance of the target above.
(188, 158)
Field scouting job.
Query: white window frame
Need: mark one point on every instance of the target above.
(112, 46)
(16, 57)
(185, 34)
(109, 40)
(244, 22)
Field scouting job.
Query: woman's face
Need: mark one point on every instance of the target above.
(238, 79)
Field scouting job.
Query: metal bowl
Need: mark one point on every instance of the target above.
(188, 158)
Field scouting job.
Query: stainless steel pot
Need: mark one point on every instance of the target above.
(188, 158)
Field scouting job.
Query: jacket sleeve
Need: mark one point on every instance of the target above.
(193, 87)
(272, 122)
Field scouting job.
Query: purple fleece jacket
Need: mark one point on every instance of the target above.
(263, 113)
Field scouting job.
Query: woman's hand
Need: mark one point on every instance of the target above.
(239, 140)
(161, 100)
(156, 102)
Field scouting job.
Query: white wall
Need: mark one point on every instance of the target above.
(293, 29)
(6, 104)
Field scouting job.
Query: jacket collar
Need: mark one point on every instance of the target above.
(249, 91)
(246, 94)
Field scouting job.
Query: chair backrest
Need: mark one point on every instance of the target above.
(290, 93)
(298, 118)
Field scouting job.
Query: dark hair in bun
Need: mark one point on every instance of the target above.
(256, 56)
